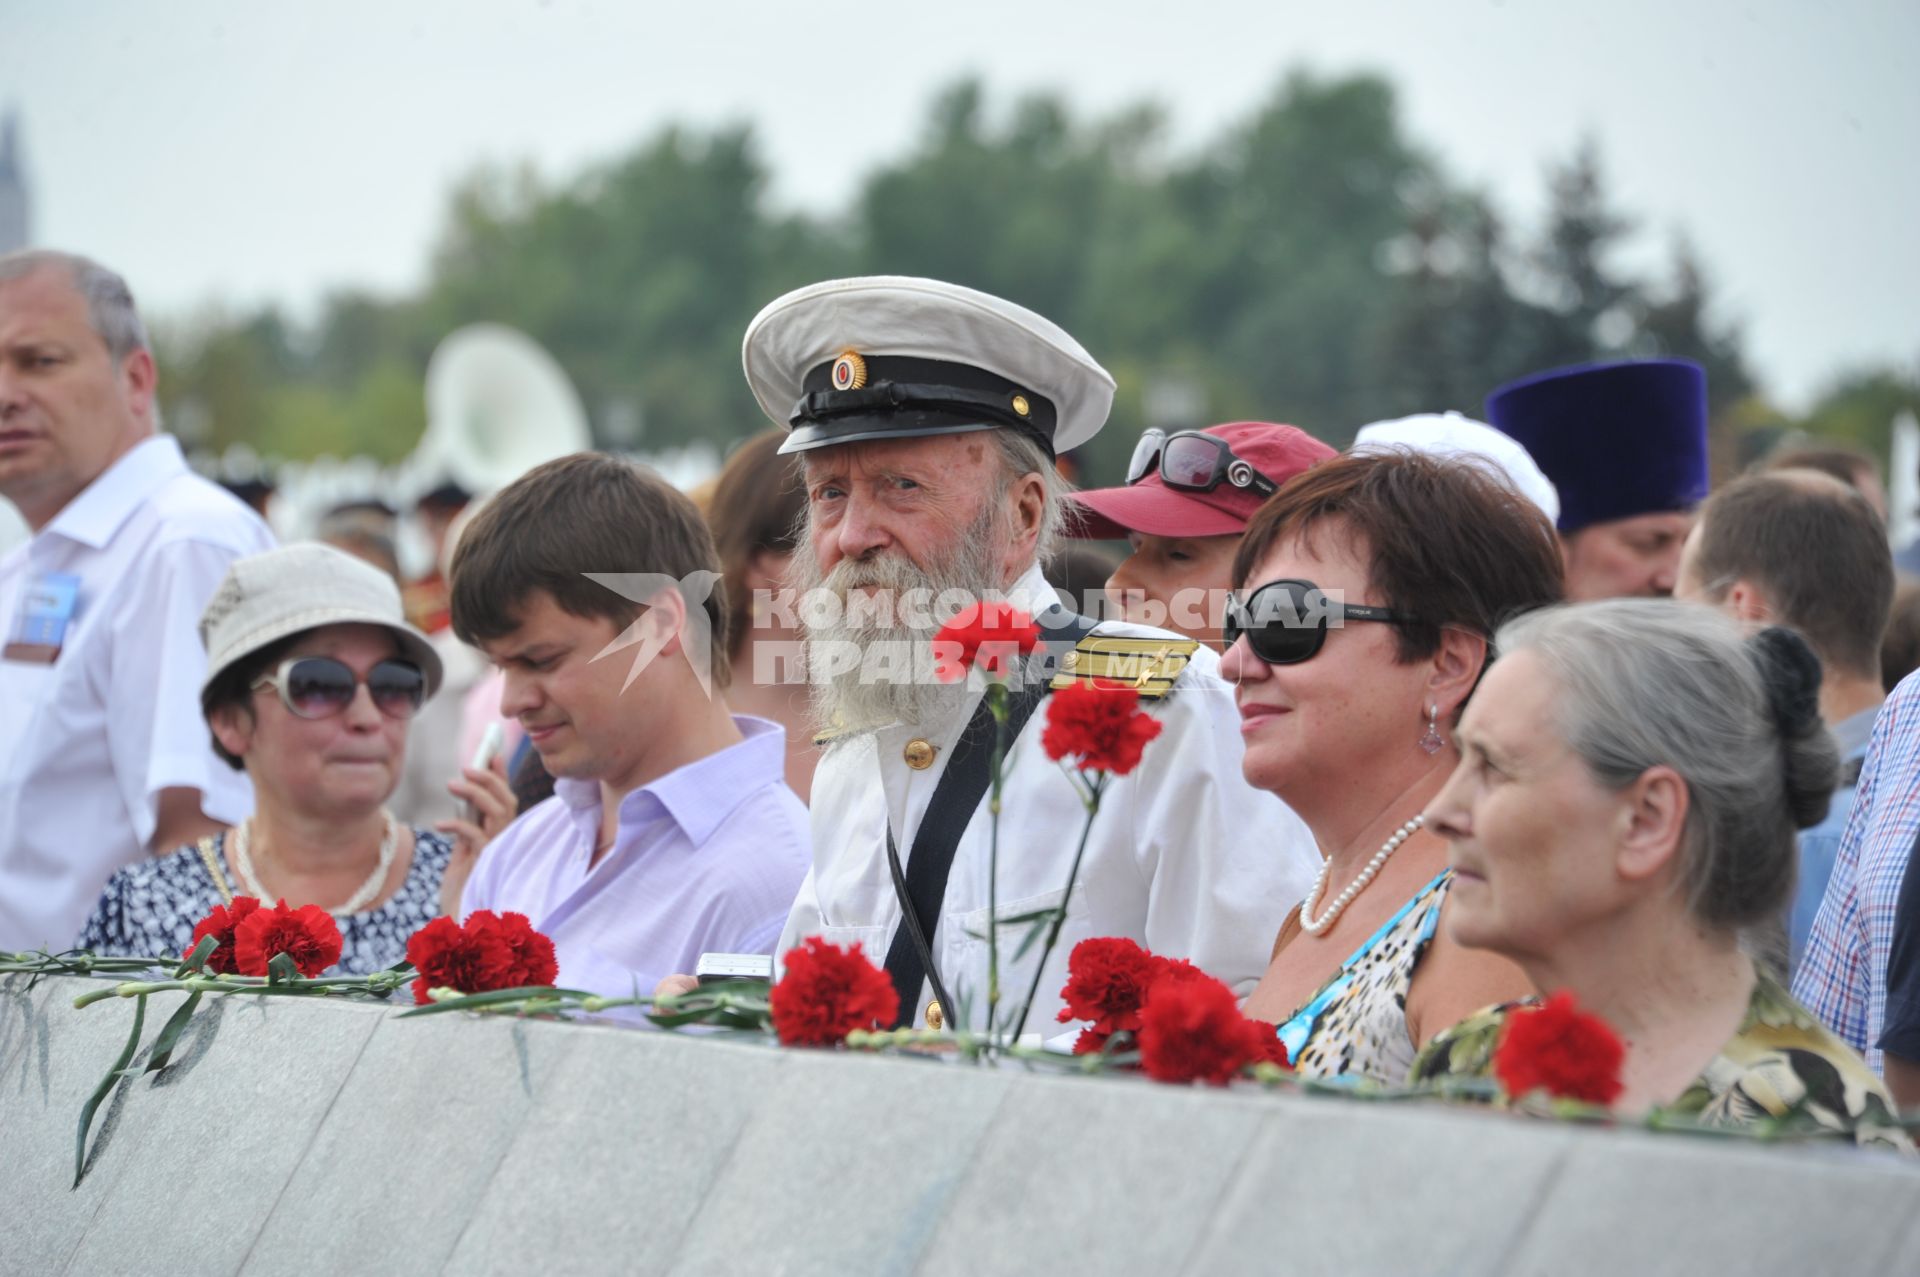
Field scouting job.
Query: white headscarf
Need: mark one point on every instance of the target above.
(1448, 434)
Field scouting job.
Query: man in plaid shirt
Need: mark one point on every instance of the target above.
(1843, 978)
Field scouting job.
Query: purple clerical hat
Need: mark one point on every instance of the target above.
(1617, 439)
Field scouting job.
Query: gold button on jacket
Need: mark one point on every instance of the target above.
(919, 754)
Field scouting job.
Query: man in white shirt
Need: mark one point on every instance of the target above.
(927, 417)
(104, 756)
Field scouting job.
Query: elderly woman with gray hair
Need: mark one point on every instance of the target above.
(1632, 774)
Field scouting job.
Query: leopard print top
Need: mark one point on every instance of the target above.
(1356, 1025)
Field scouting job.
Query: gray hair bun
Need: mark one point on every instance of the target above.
(1790, 672)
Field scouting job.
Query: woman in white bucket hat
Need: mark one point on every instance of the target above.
(313, 678)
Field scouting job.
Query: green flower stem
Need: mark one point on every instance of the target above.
(997, 704)
(671, 1003)
(1092, 803)
(594, 1005)
(100, 1092)
(548, 998)
(78, 964)
(128, 990)
(381, 982)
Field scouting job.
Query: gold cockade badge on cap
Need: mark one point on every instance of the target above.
(849, 371)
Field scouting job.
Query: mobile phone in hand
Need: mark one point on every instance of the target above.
(483, 757)
(715, 967)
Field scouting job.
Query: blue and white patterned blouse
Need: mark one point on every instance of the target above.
(150, 908)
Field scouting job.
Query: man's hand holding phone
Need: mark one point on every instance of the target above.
(488, 807)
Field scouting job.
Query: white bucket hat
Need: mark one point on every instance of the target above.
(266, 597)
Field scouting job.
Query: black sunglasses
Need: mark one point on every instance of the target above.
(1286, 622)
(320, 686)
(1193, 461)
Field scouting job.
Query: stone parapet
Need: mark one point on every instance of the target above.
(310, 1137)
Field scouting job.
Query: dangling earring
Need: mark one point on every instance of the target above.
(1432, 742)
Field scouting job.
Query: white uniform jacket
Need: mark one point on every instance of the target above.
(1185, 857)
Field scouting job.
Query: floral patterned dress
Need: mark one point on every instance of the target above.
(1781, 1065)
(150, 908)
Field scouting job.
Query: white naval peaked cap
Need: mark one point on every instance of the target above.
(892, 356)
(1448, 434)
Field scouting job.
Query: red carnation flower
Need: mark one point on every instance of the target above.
(986, 635)
(532, 960)
(308, 935)
(1191, 1030)
(1559, 1049)
(472, 959)
(1266, 1036)
(1090, 1043)
(1107, 979)
(1177, 969)
(220, 924)
(1100, 724)
(827, 993)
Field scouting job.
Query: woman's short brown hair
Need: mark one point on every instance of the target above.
(232, 688)
(1447, 541)
(588, 512)
(756, 505)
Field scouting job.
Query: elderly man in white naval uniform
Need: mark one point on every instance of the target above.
(927, 417)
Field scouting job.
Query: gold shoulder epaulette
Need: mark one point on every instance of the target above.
(1149, 666)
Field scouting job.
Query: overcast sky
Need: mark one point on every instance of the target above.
(246, 152)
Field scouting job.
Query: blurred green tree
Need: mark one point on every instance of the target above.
(1859, 407)
(1457, 328)
(639, 276)
(1313, 264)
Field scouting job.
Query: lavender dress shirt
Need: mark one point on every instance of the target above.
(707, 859)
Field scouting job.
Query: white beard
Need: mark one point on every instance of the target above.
(856, 702)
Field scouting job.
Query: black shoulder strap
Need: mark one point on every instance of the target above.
(922, 884)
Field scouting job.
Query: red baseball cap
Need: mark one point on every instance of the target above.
(1152, 508)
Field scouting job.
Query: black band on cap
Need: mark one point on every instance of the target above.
(905, 396)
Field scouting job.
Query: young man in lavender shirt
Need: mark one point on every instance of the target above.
(594, 585)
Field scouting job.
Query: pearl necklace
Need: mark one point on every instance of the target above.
(1307, 922)
(241, 861)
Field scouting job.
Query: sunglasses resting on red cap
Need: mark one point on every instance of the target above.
(1188, 498)
(1198, 483)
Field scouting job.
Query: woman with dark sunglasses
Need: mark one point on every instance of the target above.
(1365, 592)
(313, 678)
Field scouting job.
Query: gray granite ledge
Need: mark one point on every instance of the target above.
(320, 1137)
